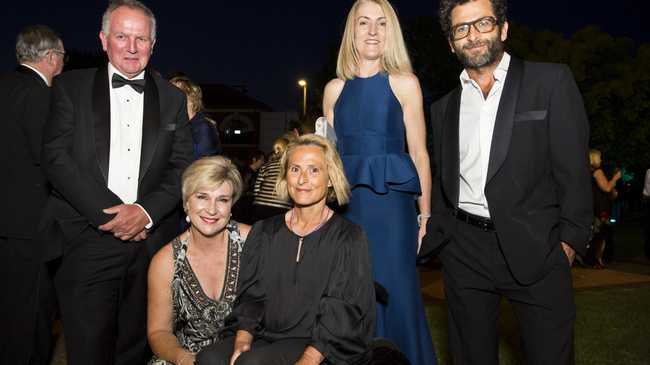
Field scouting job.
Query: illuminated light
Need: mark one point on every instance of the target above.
(237, 131)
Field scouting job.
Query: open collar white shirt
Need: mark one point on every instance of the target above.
(476, 125)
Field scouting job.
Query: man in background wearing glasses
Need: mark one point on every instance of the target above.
(511, 202)
(26, 299)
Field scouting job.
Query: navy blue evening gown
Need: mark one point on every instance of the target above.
(368, 120)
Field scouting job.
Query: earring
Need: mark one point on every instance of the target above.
(187, 219)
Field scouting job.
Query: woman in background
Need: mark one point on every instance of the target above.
(267, 202)
(604, 191)
(204, 129)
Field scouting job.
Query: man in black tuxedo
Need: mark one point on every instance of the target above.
(115, 146)
(511, 198)
(25, 102)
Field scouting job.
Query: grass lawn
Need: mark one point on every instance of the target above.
(612, 327)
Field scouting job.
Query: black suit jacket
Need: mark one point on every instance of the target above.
(24, 101)
(538, 181)
(76, 144)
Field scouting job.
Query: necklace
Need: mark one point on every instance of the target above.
(301, 238)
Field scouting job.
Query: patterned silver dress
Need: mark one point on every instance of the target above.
(198, 319)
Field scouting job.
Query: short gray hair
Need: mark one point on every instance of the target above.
(34, 42)
(131, 4)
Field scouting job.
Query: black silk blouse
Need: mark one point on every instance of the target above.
(327, 296)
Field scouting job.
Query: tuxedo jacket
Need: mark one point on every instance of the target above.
(76, 146)
(538, 180)
(24, 101)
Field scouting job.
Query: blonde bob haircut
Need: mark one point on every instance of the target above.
(340, 189)
(211, 172)
(395, 58)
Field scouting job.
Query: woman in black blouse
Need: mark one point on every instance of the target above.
(306, 293)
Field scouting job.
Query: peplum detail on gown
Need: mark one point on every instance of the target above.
(380, 172)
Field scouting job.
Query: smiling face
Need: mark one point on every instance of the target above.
(477, 49)
(370, 31)
(209, 209)
(128, 43)
(307, 177)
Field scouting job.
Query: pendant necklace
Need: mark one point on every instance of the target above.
(301, 238)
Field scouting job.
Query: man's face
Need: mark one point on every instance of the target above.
(128, 44)
(477, 49)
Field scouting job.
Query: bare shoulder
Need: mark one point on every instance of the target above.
(333, 90)
(405, 86)
(334, 87)
(162, 263)
(404, 81)
(244, 230)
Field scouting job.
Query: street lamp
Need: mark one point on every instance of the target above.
(303, 83)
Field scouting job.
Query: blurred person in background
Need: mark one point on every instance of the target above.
(604, 191)
(204, 130)
(25, 102)
(266, 202)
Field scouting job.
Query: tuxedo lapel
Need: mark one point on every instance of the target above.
(505, 118)
(102, 120)
(449, 150)
(150, 123)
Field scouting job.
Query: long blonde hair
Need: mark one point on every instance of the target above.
(395, 58)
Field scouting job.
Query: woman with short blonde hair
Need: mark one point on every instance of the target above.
(193, 279)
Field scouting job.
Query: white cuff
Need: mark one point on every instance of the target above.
(150, 224)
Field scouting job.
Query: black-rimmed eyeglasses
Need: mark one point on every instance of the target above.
(483, 25)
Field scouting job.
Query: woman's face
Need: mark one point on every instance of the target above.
(370, 31)
(209, 209)
(307, 177)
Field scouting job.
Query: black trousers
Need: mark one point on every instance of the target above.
(102, 290)
(27, 304)
(476, 277)
(282, 352)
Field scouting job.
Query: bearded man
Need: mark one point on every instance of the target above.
(511, 202)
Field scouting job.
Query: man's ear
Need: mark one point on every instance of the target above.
(504, 31)
(104, 38)
(451, 45)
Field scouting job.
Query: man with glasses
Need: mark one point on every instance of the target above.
(511, 202)
(26, 301)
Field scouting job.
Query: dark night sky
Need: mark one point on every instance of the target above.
(269, 45)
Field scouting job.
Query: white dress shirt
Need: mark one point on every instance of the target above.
(476, 124)
(37, 72)
(127, 110)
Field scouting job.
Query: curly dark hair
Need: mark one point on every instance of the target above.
(500, 8)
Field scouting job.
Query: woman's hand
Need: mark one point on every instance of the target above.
(422, 231)
(243, 342)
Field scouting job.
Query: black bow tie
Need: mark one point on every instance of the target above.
(119, 81)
